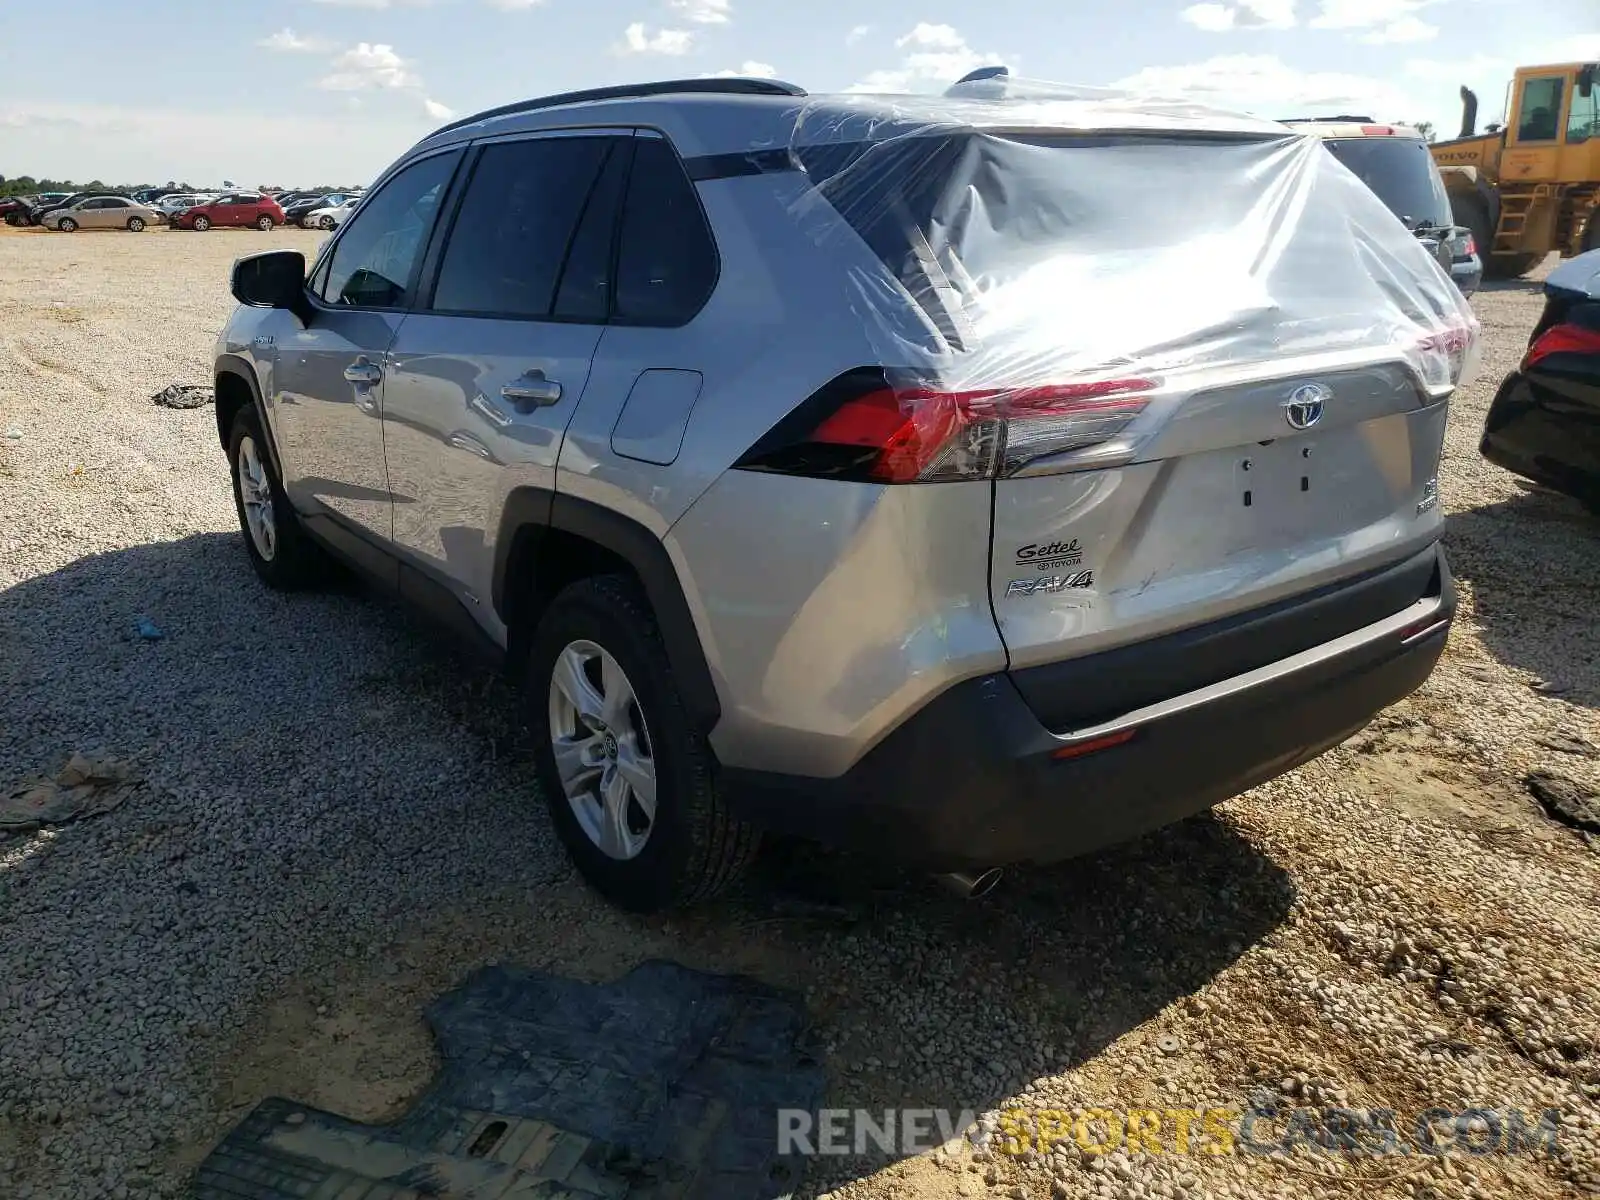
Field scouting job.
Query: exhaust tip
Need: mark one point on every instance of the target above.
(972, 887)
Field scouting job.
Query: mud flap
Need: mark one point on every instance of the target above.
(666, 1083)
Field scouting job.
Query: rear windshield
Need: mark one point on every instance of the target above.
(1052, 252)
(1401, 171)
(958, 216)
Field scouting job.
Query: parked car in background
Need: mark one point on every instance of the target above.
(1544, 423)
(1395, 162)
(231, 210)
(25, 210)
(287, 200)
(16, 210)
(101, 212)
(178, 201)
(330, 216)
(298, 212)
(981, 570)
(46, 207)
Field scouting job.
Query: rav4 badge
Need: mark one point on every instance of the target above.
(1050, 583)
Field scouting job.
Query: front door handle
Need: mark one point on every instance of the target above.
(363, 373)
(532, 391)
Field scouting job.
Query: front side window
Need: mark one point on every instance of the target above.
(375, 259)
(509, 242)
(1537, 119)
(1583, 122)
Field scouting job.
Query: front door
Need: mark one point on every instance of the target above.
(99, 214)
(484, 378)
(328, 376)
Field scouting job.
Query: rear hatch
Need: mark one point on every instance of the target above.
(1205, 371)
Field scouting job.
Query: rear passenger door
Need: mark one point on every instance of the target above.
(485, 375)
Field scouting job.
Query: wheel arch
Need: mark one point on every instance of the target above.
(237, 388)
(548, 540)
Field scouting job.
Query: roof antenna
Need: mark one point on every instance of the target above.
(986, 82)
(984, 73)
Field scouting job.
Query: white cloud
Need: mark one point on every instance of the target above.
(856, 33)
(933, 37)
(514, 5)
(703, 12)
(933, 54)
(441, 112)
(369, 66)
(376, 3)
(1246, 14)
(1363, 14)
(1406, 29)
(639, 40)
(291, 42)
(749, 69)
(1263, 84)
(1213, 18)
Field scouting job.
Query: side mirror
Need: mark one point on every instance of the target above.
(273, 279)
(1586, 80)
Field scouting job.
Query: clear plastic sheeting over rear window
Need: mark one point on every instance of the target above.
(1032, 242)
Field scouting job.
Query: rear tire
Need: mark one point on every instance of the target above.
(281, 553)
(692, 847)
(265, 223)
(135, 224)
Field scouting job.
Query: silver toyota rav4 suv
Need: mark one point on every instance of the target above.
(978, 479)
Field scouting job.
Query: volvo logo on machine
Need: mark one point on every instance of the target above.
(1303, 409)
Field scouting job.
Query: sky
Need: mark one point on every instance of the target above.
(306, 92)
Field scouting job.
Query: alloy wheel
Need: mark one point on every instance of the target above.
(602, 749)
(255, 493)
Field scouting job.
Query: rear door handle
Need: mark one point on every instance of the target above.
(532, 391)
(363, 373)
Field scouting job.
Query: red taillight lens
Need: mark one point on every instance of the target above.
(865, 428)
(1565, 338)
(1471, 246)
(1378, 130)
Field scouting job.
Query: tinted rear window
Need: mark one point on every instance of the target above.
(1401, 172)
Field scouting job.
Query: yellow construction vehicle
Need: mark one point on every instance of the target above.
(1534, 185)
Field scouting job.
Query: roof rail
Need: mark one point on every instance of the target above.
(726, 87)
(1341, 117)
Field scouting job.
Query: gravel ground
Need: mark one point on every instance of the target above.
(335, 824)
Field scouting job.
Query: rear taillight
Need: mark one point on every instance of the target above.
(1446, 354)
(1563, 338)
(864, 427)
(1470, 246)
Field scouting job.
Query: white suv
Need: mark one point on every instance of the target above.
(893, 471)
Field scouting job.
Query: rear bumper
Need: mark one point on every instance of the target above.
(974, 779)
(1547, 430)
(1467, 273)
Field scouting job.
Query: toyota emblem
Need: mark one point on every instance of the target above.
(1303, 409)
